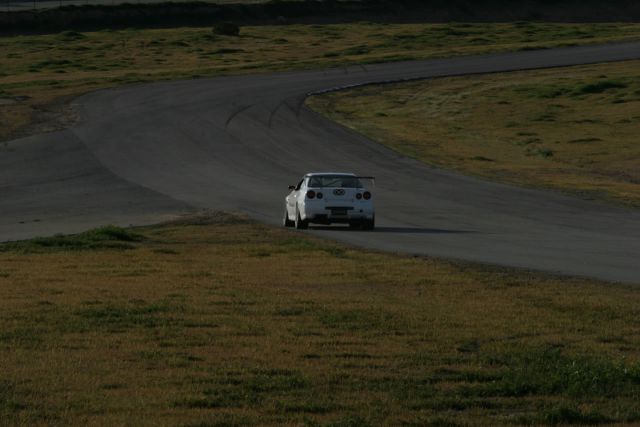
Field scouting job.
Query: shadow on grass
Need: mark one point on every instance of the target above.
(402, 230)
(108, 237)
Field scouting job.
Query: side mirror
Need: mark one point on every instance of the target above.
(292, 187)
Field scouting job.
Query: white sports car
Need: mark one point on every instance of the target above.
(327, 198)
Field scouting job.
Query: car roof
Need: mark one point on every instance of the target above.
(329, 173)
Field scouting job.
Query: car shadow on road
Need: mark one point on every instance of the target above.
(406, 230)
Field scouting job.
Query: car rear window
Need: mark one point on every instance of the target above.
(333, 181)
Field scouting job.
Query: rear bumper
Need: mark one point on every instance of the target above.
(337, 214)
(326, 219)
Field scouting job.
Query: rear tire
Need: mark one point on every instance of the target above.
(370, 224)
(286, 222)
(300, 224)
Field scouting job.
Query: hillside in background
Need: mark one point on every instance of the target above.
(158, 15)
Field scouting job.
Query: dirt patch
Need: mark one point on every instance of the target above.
(208, 217)
(59, 115)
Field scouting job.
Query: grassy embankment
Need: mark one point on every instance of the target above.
(573, 129)
(230, 322)
(40, 72)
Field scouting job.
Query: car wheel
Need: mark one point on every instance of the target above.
(286, 222)
(370, 224)
(300, 224)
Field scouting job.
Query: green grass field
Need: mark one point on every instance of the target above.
(571, 129)
(40, 73)
(220, 320)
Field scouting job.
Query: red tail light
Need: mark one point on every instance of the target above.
(319, 195)
(311, 194)
(366, 195)
(358, 196)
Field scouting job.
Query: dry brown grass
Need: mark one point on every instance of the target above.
(573, 129)
(231, 322)
(50, 68)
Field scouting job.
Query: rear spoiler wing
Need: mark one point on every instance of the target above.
(371, 178)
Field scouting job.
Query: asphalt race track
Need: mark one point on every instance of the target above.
(144, 153)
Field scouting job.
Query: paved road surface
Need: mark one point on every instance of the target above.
(143, 153)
